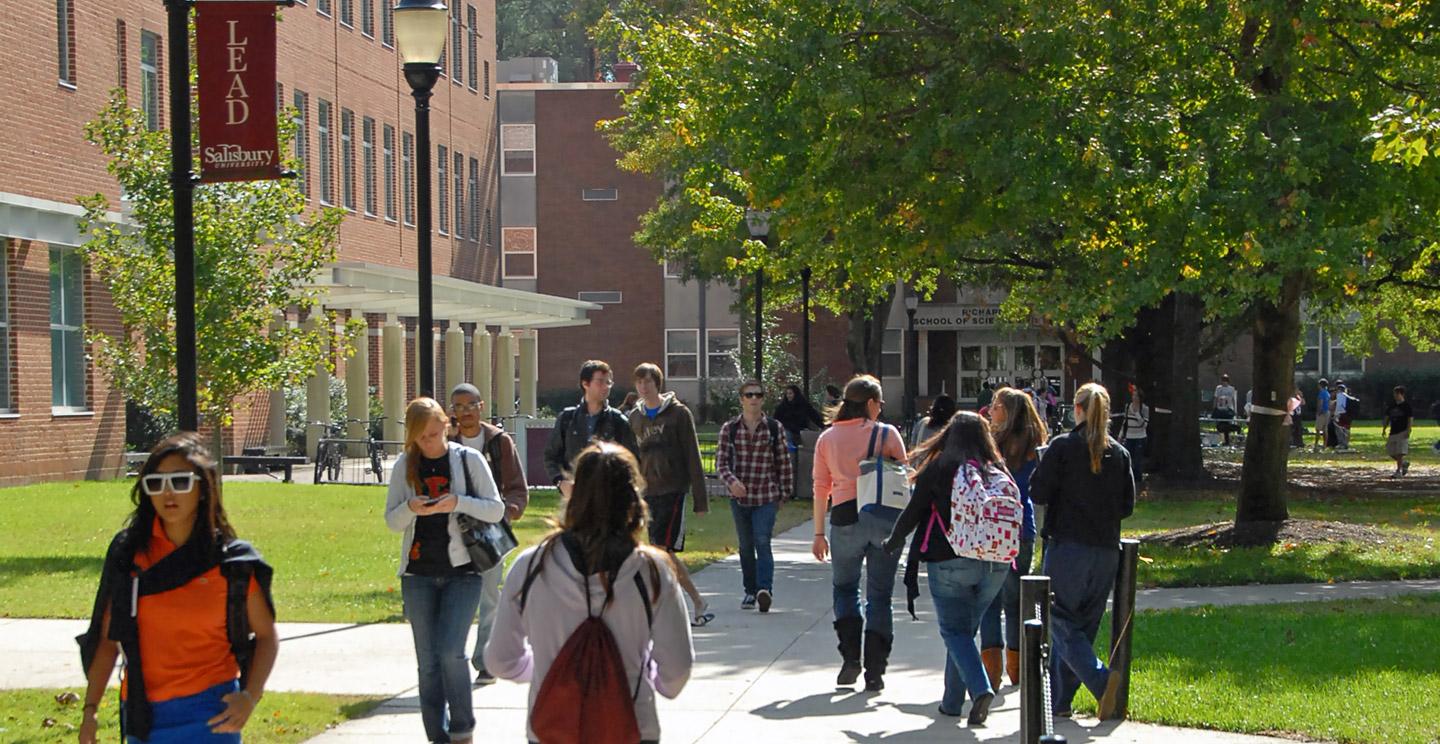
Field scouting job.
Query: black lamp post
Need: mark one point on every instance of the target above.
(182, 185)
(421, 27)
(758, 222)
(912, 361)
(805, 330)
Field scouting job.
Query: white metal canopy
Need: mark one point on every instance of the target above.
(369, 288)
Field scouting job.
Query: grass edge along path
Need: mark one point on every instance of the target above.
(1351, 671)
(280, 718)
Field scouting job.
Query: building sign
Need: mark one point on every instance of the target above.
(235, 57)
(955, 317)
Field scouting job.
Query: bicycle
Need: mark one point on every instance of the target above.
(330, 450)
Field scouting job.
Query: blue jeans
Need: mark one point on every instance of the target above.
(439, 609)
(1008, 600)
(962, 588)
(183, 720)
(1136, 448)
(857, 546)
(1081, 577)
(485, 617)
(754, 526)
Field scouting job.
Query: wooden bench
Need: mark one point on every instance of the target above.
(286, 462)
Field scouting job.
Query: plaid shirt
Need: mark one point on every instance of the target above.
(751, 460)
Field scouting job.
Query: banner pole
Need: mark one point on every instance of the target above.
(182, 187)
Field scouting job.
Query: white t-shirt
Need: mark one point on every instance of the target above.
(1136, 421)
(1224, 398)
(477, 443)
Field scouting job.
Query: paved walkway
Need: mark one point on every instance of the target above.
(756, 675)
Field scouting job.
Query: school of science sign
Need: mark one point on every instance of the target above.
(955, 317)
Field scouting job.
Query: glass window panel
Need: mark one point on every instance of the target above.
(969, 387)
(891, 343)
(970, 358)
(1024, 358)
(996, 358)
(1311, 361)
(680, 366)
(520, 265)
(890, 365)
(684, 342)
(1049, 357)
(519, 162)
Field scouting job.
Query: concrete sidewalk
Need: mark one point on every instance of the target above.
(770, 675)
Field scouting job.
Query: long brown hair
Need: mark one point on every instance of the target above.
(1022, 431)
(418, 416)
(211, 524)
(859, 391)
(1094, 401)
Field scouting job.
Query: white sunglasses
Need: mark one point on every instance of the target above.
(155, 484)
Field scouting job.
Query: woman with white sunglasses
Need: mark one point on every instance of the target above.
(187, 604)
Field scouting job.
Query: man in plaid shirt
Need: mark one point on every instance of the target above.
(752, 460)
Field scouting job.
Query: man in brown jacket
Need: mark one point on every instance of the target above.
(469, 428)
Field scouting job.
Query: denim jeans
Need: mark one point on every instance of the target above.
(1081, 577)
(1008, 600)
(754, 526)
(857, 546)
(1136, 448)
(485, 616)
(962, 588)
(439, 609)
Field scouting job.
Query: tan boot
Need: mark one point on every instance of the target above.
(1012, 665)
(990, 657)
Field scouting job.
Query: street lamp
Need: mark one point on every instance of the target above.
(912, 362)
(805, 329)
(758, 222)
(421, 27)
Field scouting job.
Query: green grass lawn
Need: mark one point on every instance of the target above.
(334, 558)
(35, 717)
(1353, 671)
(1365, 441)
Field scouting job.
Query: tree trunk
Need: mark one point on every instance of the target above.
(1182, 459)
(1267, 446)
(866, 337)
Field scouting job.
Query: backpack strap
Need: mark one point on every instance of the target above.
(870, 452)
(237, 617)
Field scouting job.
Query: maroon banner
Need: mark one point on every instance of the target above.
(235, 50)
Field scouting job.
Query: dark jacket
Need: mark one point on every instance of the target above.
(570, 437)
(932, 492)
(796, 416)
(1084, 507)
(505, 465)
(669, 451)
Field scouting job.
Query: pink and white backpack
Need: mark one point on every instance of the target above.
(986, 515)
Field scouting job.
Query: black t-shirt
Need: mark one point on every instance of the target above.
(1399, 415)
(430, 552)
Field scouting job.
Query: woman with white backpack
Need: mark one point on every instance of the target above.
(970, 516)
(1085, 481)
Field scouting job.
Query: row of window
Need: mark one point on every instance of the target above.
(682, 353)
(467, 69)
(375, 178)
(67, 339)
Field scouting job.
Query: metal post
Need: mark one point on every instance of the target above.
(422, 78)
(912, 367)
(759, 313)
(1122, 622)
(1035, 598)
(805, 330)
(182, 185)
(1032, 691)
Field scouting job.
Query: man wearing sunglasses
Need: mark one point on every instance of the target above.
(469, 428)
(753, 461)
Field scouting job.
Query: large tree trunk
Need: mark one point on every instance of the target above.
(1267, 447)
(1181, 443)
(865, 341)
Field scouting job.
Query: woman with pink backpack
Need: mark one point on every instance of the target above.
(969, 513)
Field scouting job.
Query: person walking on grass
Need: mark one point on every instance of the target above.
(469, 428)
(1085, 481)
(752, 462)
(1224, 408)
(1344, 414)
(1019, 434)
(434, 481)
(175, 588)
(1399, 416)
(595, 565)
(669, 455)
(1133, 428)
(578, 425)
(857, 536)
(1322, 414)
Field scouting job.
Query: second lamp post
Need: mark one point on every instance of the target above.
(758, 222)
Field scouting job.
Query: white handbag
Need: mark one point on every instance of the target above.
(883, 482)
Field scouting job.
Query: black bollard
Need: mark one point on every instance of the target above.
(1032, 682)
(1122, 622)
(1035, 598)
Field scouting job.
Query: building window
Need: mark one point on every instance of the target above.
(367, 158)
(721, 347)
(601, 297)
(67, 317)
(486, 66)
(457, 49)
(347, 13)
(6, 399)
(387, 23)
(407, 175)
(302, 140)
(327, 157)
(473, 210)
(367, 17)
(65, 40)
(518, 252)
(322, 7)
(517, 150)
(672, 269)
(610, 194)
(442, 171)
(388, 155)
(122, 65)
(150, 79)
(472, 37)
(682, 353)
(460, 195)
(347, 158)
(890, 363)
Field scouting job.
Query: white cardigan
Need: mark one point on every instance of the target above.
(484, 505)
(523, 645)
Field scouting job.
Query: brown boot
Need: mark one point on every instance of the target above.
(1012, 665)
(990, 657)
